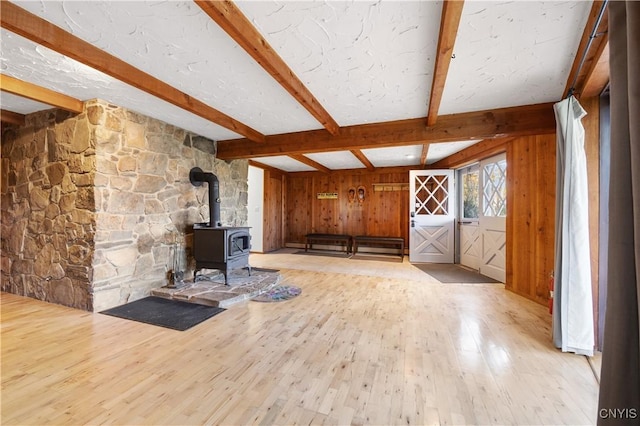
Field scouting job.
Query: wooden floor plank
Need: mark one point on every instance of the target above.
(366, 342)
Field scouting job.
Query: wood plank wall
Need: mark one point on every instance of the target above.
(273, 219)
(383, 213)
(531, 187)
(591, 123)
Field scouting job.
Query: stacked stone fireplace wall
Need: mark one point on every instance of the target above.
(93, 204)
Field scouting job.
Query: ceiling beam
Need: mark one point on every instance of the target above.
(38, 30)
(515, 121)
(232, 20)
(358, 172)
(476, 152)
(449, 22)
(590, 49)
(40, 94)
(424, 154)
(363, 159)
(11, 117)
(309, 162)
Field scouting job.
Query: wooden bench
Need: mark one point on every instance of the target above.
(339, 239)
(373, 241)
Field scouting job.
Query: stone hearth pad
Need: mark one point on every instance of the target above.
(211, 290)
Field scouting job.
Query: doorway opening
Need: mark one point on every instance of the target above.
(482, 213)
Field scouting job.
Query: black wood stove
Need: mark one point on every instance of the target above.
(215, 246)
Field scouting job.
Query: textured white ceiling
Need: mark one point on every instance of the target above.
(337, 160)
(21, 105)
(391, 157)
(285, 163)
(365, 61)
(439, 151)
(512, 53)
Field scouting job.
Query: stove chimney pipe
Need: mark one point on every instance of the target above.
(196, 177)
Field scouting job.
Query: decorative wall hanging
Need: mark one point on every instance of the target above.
(389, 187)
(327, 196)
(361, 194)
(351, 195)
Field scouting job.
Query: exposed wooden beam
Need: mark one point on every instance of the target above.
(424, 154)
(363, 159)
(502, 122)
(449, 22)
(11, 117)
(233, 21)
(475, 152)
(357, 172)
(590, 51)
(41, 94)
(309, 162)
(38, 30)
(599, 74)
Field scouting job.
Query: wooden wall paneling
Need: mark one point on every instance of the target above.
(342, 213)
(355, 211)
(299, 209)
(325, 219)
(531, 215)
(591, 125)
(381, 213)
(545, 211)
(273, 211)
(518, 218)
(389, 210)
(283, 210)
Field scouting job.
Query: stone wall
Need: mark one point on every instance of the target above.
(124, 198)
(48, 220)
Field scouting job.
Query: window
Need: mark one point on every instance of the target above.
(495, 189)
(470, 192)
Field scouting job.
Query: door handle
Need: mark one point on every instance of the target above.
(413, 223)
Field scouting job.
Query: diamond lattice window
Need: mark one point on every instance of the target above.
(495, 189)
(432, 197)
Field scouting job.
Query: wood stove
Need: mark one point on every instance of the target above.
(223, 248)
(215, 246)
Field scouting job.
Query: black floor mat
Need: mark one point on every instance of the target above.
(453, 273)
(163, 312)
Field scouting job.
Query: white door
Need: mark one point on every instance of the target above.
(469, 184)
(493, 215)
(431, 225)
(470, 245)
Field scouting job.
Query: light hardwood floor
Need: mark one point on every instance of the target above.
(365, 343)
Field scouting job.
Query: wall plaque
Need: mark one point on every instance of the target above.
(327, 196)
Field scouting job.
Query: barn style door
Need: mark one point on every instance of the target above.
(493, 215)
(431, 229)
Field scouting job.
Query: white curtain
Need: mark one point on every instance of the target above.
(572, 305)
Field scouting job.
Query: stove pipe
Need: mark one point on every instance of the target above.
(196, 177)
